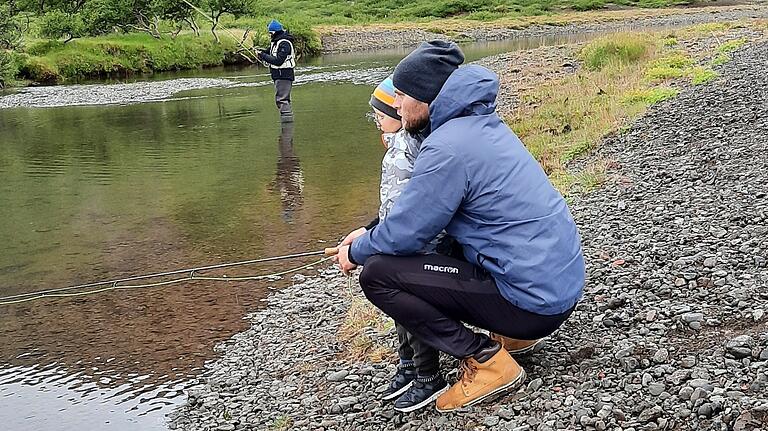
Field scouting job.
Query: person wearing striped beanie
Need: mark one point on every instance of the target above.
(417, 382)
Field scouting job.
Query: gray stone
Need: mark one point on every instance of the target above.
(338, 376)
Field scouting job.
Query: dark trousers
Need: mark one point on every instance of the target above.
(431, 295)
(283, 97)
(425, 358)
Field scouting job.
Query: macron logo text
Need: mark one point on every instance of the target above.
(436, 268)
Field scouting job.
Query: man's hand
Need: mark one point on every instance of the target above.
(343, 258)
(352, 235)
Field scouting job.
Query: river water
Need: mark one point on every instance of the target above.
(202, 176)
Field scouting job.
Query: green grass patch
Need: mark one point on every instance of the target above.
(616, 50)
(671, 66)
(282, 423)
(669, 41)
(650, 96)
(731, 45)
(112, 55)
(721, 59)
(702, 75)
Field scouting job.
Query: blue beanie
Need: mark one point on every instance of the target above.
(422, 73)
(275, 25)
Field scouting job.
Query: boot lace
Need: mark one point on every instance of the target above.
(468, 371)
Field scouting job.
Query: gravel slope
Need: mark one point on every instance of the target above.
(672, 332)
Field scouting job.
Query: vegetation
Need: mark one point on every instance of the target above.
(70, 21)
(622, 76)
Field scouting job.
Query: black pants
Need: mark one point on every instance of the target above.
(432, 295)
(410, 347)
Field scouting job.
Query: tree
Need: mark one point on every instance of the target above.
(57, 24)
(178, 12)
(10, 31)
(217, 8)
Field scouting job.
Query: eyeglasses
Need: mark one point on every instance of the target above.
(375, 117)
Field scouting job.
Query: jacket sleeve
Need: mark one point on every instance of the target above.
(283, 51)
(427, 205)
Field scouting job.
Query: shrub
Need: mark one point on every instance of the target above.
(58, 24)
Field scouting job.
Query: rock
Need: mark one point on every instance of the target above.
(656, 388)
(338, 376)
(491, 421)
(661, 356)
(710, 262)
(650, 414)
(692, 317)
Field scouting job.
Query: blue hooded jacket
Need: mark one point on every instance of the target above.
(475, 179)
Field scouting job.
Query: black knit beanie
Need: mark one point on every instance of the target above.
(422, 73)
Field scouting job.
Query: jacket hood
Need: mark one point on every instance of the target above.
(282, 34)
(470, 90)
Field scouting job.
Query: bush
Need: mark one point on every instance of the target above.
(615, 50)
(58, 24)
(9, 68)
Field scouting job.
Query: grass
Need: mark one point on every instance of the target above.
(362, 317)
(55, 62)
(615, 51)
(282, 423)
(622, 76)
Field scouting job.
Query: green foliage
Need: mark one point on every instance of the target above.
(39, 70)
(588, 4)
(721, 59)
(702, 75)
(9, 68)
(104, 16)
(614, 51)
(124, 54)
(670, 40)
(671, 66)
(731, 45)
(650, 96)
(58, 24)
(10, 31)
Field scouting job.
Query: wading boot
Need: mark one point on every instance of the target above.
(423, 391)
(515, 346)
(489, 372)
(403, 380)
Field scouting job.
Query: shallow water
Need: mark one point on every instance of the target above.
(197, 177)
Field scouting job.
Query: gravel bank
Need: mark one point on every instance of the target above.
(346, 39)
(672, 332)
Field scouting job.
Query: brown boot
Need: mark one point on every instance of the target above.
(515, 346)
(487, 373)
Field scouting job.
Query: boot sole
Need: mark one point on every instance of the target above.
(423, 403)
(399, 392)
(526, 349)
(511, 385)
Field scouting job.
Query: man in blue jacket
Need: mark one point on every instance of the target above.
(523, 271)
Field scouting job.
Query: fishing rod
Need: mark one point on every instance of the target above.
(114, 284)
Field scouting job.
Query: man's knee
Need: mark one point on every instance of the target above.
(372, 276)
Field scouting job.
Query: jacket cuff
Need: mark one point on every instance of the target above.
(349, 256)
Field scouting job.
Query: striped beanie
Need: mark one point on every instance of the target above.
(383, 98)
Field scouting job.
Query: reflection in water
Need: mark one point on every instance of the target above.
(289, 179)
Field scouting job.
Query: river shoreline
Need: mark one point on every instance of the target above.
(361, 38)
